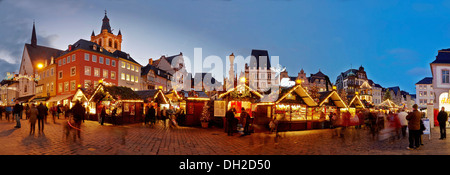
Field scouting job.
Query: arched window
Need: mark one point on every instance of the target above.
(110, 42)
(100, 42)
(115, 45)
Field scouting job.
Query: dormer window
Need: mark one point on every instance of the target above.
(94, 47)
(101, 49)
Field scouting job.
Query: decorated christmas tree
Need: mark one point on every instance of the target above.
(205, 113)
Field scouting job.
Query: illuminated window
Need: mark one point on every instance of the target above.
(97, 72)
(87, 70)
(105, 73)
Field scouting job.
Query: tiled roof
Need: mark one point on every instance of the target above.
(426, 80)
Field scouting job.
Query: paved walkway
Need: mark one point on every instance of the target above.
(137, 139)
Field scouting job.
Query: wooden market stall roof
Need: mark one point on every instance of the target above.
(334, 96)
(194, 95)
(388, 103)
(298, 89)
(114, 92)
(356, 102)
(79, 95)
(247, 92)
(156, 95)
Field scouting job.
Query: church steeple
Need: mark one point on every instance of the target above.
(105, 24)
(106, 38)
(33, 37)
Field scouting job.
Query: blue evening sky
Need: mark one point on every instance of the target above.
(394, 40)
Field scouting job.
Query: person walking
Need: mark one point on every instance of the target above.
(229, 116)
(103, 115)
(33, 113)
(164, 116)
(403, 122)
(78, 112)
(146, 116)
(16, 113)
(151, 115)
(414, 128)
(442, 119)
(42, 112)
(246, 117)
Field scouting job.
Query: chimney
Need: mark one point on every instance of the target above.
(150, 61)
(70, 47)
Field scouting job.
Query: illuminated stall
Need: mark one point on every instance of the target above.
(194, 102)
(388, 105)
(291, 109)
(330, 103)
(127, 105)
(240, 97)
(356, 103)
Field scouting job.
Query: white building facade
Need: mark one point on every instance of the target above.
(440, 69)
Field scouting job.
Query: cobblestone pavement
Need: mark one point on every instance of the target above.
(137, 139)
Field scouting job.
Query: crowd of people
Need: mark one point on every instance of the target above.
(163, 115)
(39, 113)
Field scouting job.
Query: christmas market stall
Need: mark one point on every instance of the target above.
(355, 102)
(194, 102)
(291, 109)
(240, 97)
(122, 105)
(356, 108)
(330, 103)
(388, 105)
(155, 97)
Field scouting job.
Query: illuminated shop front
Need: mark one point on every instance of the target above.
(240, 97)
(293, 109)
(330, 103)
(126, 104)
(193, 102)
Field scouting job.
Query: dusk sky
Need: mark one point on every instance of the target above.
(394, 40)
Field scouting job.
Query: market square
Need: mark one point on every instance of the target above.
(152, 82)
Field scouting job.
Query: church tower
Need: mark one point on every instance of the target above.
(106, 38)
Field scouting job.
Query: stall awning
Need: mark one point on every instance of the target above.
(39, 99)
(300, 92)
(156, 95)
(334, 96)
(59, 98)
(356, 102)
(241, 88)
(24, 99)
(388, 103)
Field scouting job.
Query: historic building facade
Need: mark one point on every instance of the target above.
(440, 69)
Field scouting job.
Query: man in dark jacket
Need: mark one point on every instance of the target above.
(229, 116)
(78, 112)
(16, 113)
(414, 128)
(42, 113)
(442, 119)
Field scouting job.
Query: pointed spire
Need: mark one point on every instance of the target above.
(93, 34)
(33, 37)
(105, 24)
(120, 33)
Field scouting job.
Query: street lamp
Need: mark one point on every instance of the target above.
(40, 65)
(243, 79)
